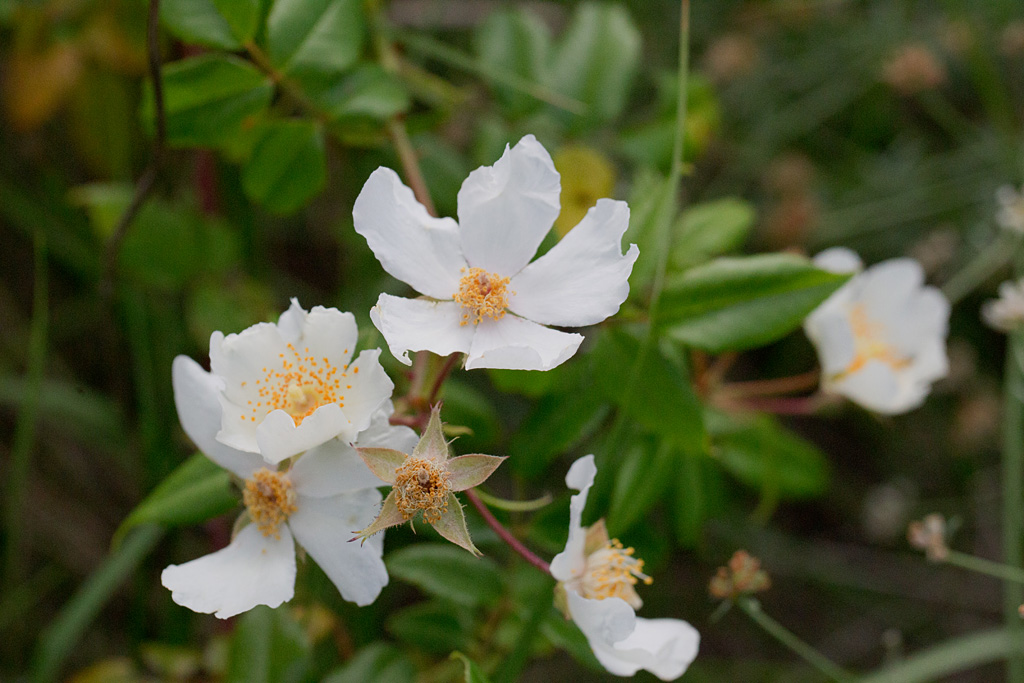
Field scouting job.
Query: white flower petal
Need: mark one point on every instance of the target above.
(584, 278)
(603, 622)
(370, 387)
(253, 570)
(421, 325)
(839, 260)
(241, 358)
(382, 434)
(292, 322)
(514, 343)
(829, 331)
(331, 468)
(887, 289)
(506, 209)
(279, 437)
(924, 319)
(930, 363)
(323, 526)
(571, 562)
(328, 333)
(196, 395)
(410, 244)
(876, 387)
(664, 647)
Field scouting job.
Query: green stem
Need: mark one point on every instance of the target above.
(981, 267)
(25, 428)
(988, 567)
(951, 656)
(1013, 492)
(819, 661)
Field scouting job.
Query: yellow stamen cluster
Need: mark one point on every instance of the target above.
(482, 294)
(270, 498)
(869, 342)
(613, 572)
(422, 485)
(299, 386)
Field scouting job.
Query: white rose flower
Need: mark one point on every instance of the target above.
(881, 337)
(1006, 313)
(286, 388)
(484, 297)
(316, 502)
(599, 577)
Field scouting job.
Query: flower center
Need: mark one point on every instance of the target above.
(270, 498)
(869, 342)
(482, 294)
(612, 572)
(421, 485)
(299, 386)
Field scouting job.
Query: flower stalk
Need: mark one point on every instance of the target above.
(505, 534)
(1013, 491)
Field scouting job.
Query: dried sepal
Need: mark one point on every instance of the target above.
(432, 445)
(382, 461)
(389, 516)
(452, 526)
(468, 471)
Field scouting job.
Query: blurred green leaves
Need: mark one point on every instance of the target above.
(317, 35)
(268, 646)
(447, 572)
(224, 24)
(287, 167)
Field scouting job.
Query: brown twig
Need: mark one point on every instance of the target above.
(772, 387)
(410, 163)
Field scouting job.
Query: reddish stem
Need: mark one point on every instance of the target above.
(805, 405)
(505, 534)
(442, 375)
(771, 387)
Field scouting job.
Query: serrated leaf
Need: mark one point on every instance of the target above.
(316, 35)
(195, 491)
(515, 41)
(288, 166)
(268, 646)
(763, 454)
(207, 99)
(711, 229)
(736, 303)
(447, 572)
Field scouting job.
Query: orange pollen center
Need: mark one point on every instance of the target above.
(869, 342)
(299, 385)
(613, 572)
(482, 294)
(422, 485)
(270, 498)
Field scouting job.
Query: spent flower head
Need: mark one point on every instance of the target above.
(742, 576)
(929, 535)
(597, 589)
(881, 337)
(425, 483)
(484, 297)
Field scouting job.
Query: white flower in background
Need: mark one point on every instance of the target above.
(881, 337)
(1010, 215)
(485, 297)
(1006, 313)
(599, 577)
(289, 387)
(315, 503)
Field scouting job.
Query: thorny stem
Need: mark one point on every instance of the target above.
(505, 534)
(148, 177)
(752, 608)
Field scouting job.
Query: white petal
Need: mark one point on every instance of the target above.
(603, 622)
(514, 343)
(931, 362)
(370, 387)
(875, 387)
(253, 570)
(839, 260)
(829, 331)
(410, 244)
(328, 333)
(292, 322)
(506, 209)
(665, 647)
(242, 358)
(923, 321)
(421, 325)
(887, 288)
(323, 526)
(196, 397)
(382, 434)
(584, 278)
(279, 437)
(571, 562)
(331, 468)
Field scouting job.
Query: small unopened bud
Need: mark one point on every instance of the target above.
(913, 69)
(929, 535)
(742, 576)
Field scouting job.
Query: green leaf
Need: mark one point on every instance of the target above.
(447, 572)
(557, 423)
(199, 22)
(316, 35)
(471, 670)
(663, 401)
(518, 42)
(564, 634)
(208, 98)
(243, 16)
(288, 166)
(761, 453)
(375, 662)
(368, 92)
(195, 491)
(643, 475)
(736, 303)
(710, 229)
(596, 60)
(431, 626)
(268, 646)
(467, 406)
(62, 634)
(652, 204)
